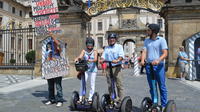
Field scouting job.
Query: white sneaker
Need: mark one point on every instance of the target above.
(59, 104)
(163, 109)
(183, 79)
(48, 103)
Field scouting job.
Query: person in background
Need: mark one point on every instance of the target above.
(198, 55)
(104, 66)
(142, 67)
(126, 62)
(183, 63)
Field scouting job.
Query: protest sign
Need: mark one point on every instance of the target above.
(45, 17)
(54, 68)
(53, 64)
(43, 7)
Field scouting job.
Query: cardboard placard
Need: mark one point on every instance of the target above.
(45, 17)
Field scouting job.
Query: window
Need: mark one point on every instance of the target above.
(1, 4)
(188, 1)
(0, 21)
(20, 25)
(20, 13)
(12, 56)
(30, 27)
(19, 58)
(127, 49)
(89, 26)
(12, 42)
(100, 42)
(19, 44)
(30, 14)
(100, 26)
(160, 23)
(30, 44)
(13, 25)
(1, 39)
(13, 10)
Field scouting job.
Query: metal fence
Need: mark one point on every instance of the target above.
(14, 45)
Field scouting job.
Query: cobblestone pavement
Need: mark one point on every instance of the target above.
(6, 80)
(32, 99)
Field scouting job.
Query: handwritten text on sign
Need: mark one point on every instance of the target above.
(47, 23)
(42, 7)
(45, 19)
(54, 68)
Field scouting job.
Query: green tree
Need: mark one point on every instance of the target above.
(30, 56)
(12, 61)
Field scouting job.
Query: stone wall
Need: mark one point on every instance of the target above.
(182, 21)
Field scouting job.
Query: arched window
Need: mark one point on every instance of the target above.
(188, 1)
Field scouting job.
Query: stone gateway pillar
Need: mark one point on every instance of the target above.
(73, 24)
(182, 20)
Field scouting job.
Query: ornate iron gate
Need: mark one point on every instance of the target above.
(14, 46)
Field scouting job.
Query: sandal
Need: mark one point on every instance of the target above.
(79, 101)
(90, 101)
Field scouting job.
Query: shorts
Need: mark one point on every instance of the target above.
(126, 63)
(183, 67)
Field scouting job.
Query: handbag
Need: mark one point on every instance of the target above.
(79, 75)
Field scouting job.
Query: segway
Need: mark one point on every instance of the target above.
(84, 105)
(148, 105)
(108, 102)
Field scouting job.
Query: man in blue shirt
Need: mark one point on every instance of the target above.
(155, 51)
(114, 52)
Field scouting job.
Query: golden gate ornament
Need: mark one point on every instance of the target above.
(101, 6)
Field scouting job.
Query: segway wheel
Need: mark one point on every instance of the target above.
(126, 105)
(155, 109)
(171, 106)
(105, 100)
(146, 104)
(74, 99)
(95, 101)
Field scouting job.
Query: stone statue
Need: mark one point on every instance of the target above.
(65, 2)
(68, 2)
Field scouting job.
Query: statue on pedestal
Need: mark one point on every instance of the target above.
(65, 4)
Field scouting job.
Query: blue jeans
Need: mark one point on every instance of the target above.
(51, 83)
(159, 71)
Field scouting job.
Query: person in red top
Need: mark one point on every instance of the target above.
(103, 66)
(142, 66)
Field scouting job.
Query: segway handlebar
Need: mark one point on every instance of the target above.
(81, 65)
(193, 60)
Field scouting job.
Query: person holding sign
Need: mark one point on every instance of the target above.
(54, 51)
(90, 55)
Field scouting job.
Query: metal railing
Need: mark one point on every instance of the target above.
(14, 45)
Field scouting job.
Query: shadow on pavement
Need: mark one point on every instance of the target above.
(43, 94)
(174, 78)
(136, 109)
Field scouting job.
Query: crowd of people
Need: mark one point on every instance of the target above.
(154, 52)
